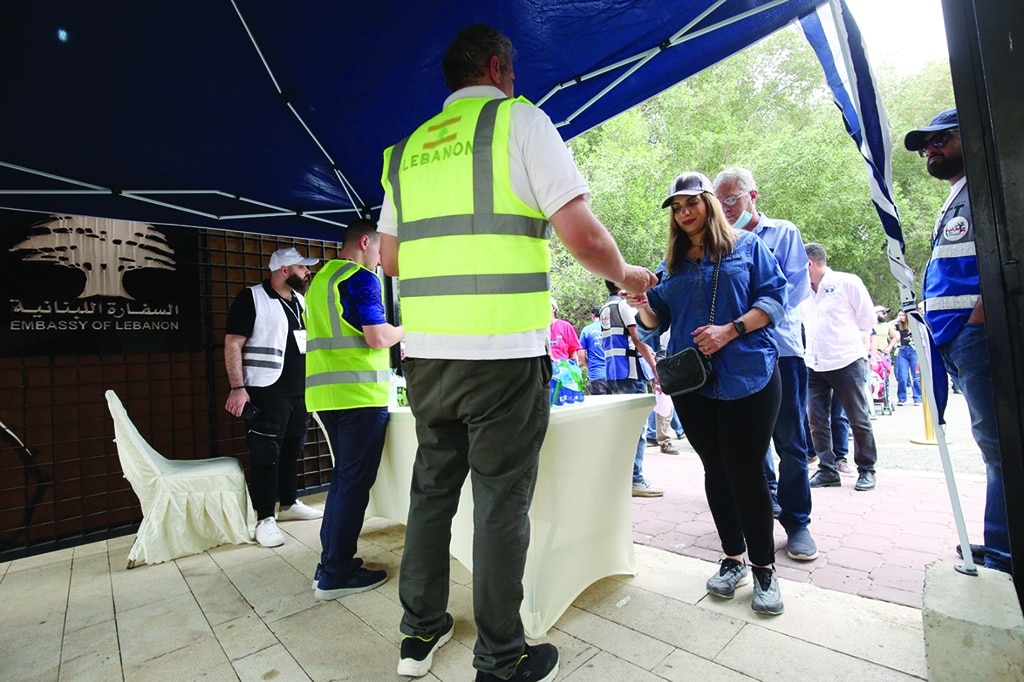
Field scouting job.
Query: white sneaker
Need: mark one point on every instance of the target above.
(268, 534)
(644, 489)
(299, 512)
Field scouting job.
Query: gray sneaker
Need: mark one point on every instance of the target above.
(644, 489)
(801, 546)
(767, 597)
(731, 574)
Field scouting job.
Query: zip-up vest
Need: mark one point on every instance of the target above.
(263, 352)
(342, 371)
(474, 261)
(621, 360)
(952, 284)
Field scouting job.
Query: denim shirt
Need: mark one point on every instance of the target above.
(750, 278)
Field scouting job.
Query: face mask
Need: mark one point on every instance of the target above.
(742, 221)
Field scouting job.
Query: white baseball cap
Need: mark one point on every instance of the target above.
(290, 256)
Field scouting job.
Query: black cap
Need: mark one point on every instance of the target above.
(688, 184)
(914, 141)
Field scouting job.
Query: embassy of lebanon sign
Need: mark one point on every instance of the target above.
(79, 285)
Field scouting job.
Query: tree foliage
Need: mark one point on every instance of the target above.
(768, 109)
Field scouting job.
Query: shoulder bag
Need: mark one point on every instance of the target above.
(689, 369)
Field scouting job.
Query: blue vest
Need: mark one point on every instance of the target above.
(952, 284)
(620, 357)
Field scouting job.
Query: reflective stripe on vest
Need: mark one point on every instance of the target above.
(619, 353)
(263, 352)
(342, 370)
(951, 284)
(474, 265)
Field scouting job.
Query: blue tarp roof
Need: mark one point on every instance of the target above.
(200, 111)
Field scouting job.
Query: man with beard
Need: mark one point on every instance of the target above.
(955, 316)
(264, 351)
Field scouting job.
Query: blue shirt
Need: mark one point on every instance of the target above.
(361, 301)
(750, 278)
(590, 339)
(784, 241)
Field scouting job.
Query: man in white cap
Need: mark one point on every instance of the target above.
(264, 351)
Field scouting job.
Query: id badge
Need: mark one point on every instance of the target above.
(300, 340)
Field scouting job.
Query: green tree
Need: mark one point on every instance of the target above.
(767, 108)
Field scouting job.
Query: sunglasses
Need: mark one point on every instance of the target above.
(938, 141)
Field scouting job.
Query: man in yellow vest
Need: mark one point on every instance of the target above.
(465, 228)
(347, 385)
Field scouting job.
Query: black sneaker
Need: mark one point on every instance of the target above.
(418, 651)
(360, 580)
(537, 664)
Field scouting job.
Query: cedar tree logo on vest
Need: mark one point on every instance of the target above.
(447, 142)
(102, 248)
(955, 229)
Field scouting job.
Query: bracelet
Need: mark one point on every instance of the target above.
(238, 388)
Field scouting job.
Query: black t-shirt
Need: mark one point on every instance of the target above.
(905, 339)
(241, 320)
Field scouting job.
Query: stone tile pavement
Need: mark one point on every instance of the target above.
(872, 544)
(244, 612)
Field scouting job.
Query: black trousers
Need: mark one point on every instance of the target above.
(276, 437)
(731, 437)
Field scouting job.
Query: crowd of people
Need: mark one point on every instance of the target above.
(789, 340)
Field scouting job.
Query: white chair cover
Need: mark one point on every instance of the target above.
(188, 506)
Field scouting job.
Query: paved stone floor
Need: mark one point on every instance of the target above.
(873, 544)
(248, 613)
(243, 612)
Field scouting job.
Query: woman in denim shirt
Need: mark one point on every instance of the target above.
(729, 422)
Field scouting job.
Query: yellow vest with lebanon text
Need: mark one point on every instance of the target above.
(474, 260)
(342, 371)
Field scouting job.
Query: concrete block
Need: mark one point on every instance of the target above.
(973, 627)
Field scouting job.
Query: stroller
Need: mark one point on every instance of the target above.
(881, 369)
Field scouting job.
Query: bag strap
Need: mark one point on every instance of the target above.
(714, 291)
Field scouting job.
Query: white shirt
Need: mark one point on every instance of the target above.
(543, 173)
(836, 318)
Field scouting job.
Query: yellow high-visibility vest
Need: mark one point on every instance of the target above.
(474, 260)
(342, 371)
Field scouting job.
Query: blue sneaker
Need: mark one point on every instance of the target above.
(801, 546)
(359, 580)
(356, 563)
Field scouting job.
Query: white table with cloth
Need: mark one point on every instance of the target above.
(581, 519)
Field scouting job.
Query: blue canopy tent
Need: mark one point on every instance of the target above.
(271, 117)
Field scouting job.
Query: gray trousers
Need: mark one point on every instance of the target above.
(486, 419)
(847, 383)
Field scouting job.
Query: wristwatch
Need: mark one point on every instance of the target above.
(740, 326)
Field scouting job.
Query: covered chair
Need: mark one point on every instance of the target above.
(188, 506)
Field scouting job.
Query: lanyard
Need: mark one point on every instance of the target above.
(288, 306)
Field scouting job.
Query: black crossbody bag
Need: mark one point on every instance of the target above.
(689, 369)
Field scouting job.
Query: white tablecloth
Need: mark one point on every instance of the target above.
(581, 518)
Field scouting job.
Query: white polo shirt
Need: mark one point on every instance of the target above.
(836, 318)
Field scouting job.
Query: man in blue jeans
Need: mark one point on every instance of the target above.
(955, 316)
(737, 191)
(838, 316)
